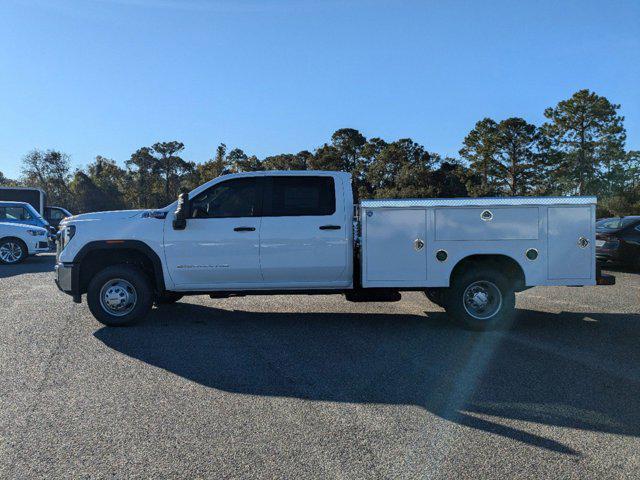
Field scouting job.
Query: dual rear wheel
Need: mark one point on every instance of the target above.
(478, 299)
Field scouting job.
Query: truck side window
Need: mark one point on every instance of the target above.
(230, 199)
(301, 196)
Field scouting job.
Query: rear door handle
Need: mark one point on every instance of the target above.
(330, 227)
(244, 229)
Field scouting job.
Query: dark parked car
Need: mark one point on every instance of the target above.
(54, 215)
(618, 240)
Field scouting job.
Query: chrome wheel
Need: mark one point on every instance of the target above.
(11, 252)
(118, 297)
(482, 300)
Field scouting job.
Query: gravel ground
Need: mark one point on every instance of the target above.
(317, 387)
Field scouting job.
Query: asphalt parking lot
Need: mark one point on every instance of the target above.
(317, 387)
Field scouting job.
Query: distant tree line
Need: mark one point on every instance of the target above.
(580, 149)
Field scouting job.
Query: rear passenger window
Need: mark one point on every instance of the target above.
(301, 196)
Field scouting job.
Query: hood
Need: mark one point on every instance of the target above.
(97, 216)
(21, 226)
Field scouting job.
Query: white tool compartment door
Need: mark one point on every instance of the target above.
(395, 245)
(570, 242)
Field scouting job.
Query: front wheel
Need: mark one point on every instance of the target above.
(12, 251)
(120, 295)
(482, 299)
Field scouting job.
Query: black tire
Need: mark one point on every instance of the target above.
(114, 281)
(11, 246)
(494, 287)
(168, 298)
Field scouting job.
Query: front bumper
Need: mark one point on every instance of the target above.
(67, 280)
(40, 246)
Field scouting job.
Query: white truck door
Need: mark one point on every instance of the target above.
(304, 237)
(220, 245)
(571, 242)
(394, 246)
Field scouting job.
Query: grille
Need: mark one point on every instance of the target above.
(59, 246)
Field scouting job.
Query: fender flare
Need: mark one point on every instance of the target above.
(137, 245)
(488, 257)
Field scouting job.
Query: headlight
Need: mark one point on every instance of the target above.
(69, 232)
(37, 233)
(65, 235)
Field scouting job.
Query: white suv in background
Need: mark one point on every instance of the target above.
(18, 241)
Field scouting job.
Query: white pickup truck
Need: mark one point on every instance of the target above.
(301, 233)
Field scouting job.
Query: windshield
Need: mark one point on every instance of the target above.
(35, 213)
(615, 223)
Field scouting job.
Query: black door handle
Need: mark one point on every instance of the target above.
(330, 227)
(244, 229)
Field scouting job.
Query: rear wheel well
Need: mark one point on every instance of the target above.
(100, 258)
(502, 263)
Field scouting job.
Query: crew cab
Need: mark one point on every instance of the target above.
(299, 232)
(18, 241)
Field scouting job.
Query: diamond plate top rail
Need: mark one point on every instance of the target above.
(477, 202)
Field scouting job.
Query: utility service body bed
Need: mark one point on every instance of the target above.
(416, 242)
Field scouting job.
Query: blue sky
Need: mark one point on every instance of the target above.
(105, 77)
